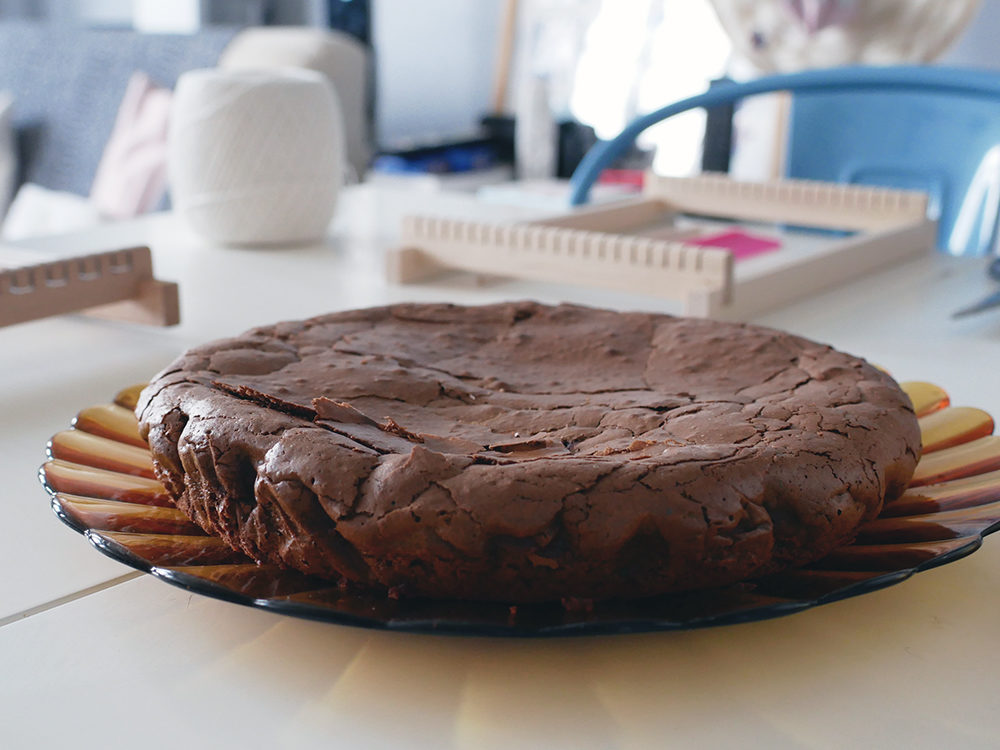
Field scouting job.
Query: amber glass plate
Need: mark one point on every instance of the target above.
(100, 476)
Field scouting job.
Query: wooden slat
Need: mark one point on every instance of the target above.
(800, 202)
(926, 398)
(952, 426)
(112, 515)
(965, 460)
(174, 549)
(110, 421)
(63, 476)
(127, 398)
(550, 253)
(84, 448)
(118, 284)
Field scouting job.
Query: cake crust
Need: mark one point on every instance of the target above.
(520, 452)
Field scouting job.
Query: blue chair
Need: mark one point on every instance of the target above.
(932, 129)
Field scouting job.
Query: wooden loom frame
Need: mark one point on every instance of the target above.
(115, 285)
(600, 245)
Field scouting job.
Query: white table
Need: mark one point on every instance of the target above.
(93, 654)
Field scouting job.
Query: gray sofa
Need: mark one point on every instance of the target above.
(68, 83)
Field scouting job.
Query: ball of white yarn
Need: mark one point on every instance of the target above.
(256, 157)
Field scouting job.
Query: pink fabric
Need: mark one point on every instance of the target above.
(742, 244)
(818, 14)
(131, 178)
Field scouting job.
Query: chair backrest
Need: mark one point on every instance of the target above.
(938, 143)
(932, 129)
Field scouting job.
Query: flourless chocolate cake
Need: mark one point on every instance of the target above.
(520, 452)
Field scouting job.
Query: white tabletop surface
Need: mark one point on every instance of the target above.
(95, 655)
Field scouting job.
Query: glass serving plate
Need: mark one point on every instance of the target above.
(101, 480)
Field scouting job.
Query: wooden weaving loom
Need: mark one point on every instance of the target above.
(116, 285)
(638, 245)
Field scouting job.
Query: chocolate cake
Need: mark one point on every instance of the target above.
(519, 452)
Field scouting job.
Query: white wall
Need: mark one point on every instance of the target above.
(105, 12)
(435, 62)
(434, 65)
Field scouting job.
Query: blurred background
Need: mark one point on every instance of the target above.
(440, 94)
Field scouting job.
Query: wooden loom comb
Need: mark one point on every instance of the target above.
(115, 285)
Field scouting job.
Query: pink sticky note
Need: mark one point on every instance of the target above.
(742, 244)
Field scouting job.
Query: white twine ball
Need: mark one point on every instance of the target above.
(256, 157)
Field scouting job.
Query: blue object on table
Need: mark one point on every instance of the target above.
(445, 158)
(933, 129)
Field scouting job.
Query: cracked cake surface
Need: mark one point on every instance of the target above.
(522, 452)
